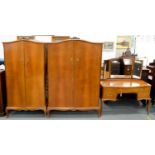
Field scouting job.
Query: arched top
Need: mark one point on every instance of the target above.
(61, 42)
(23, 40)
(74, 40)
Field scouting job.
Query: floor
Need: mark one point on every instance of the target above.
(121, 110)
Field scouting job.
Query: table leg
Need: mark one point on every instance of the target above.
(99, 113)
(7, 113)
(148, 106)
(100, 109)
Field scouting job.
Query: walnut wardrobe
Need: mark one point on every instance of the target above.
(73, 68)
(25, 75)
(69, 71)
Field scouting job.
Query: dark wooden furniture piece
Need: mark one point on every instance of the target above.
(25, 82)
(74, 75)
(2, 92)
(151, 79)
(59, 38)
(112, 87)
(25, 37)
(145, 74)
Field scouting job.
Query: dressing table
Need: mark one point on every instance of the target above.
(111, 88)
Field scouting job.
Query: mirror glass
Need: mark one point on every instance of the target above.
(121, 68)
(137, 69)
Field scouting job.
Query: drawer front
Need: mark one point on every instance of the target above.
(109, 94)
(144, 93)
(127, 90)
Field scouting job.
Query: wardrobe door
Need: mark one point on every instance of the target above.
(60, 75)
(15, 80)
(87, 74)
(34, 74)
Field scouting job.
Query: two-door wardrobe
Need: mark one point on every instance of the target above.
(25, 75)
(73, 68)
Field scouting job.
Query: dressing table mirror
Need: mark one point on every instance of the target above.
(123, 68)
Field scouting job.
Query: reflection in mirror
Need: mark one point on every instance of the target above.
(115, 67)
(127, 66)
(137, 71)
(106, 69)
(123, 68)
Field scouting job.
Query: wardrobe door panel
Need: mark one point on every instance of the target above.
(60, 74)
(15, 81)
(34, 74)
(87, 74)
